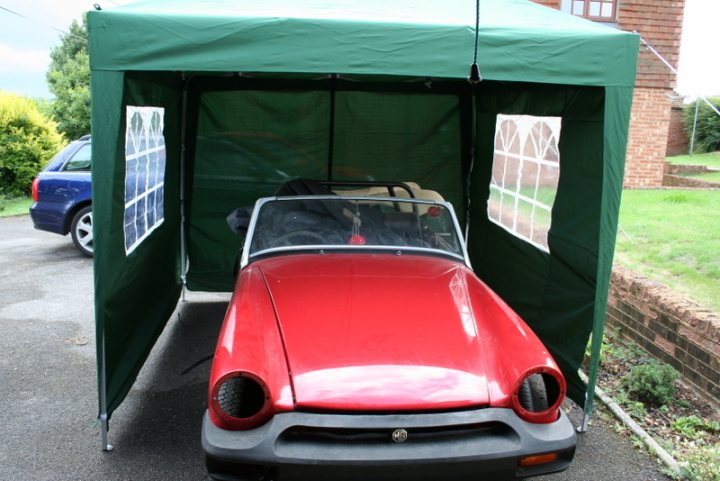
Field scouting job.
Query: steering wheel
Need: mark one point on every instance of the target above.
(302, 237)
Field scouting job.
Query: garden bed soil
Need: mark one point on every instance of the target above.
(664, 423)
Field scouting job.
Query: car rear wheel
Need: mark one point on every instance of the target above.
(82, 232)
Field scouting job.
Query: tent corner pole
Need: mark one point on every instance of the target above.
(473, 149)
(586, 416)
(585, 423)
(183, 153)
(103, 417)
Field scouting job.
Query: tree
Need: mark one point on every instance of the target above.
(707, 129)
(69, 80)
(28, 140)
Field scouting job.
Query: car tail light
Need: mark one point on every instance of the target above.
(35, 185)
(240, 400)
(538, 394)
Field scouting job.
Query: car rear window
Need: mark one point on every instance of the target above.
(81, 160)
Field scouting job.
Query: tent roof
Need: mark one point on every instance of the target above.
(518, 40)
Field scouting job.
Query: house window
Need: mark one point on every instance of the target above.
(525, 174)
(603, 10)
(144, 174)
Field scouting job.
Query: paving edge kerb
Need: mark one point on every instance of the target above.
(625, 418)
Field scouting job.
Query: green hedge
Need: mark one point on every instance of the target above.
(28, 140)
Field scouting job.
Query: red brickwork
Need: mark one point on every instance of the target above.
(659, 22)
(649, 120)
(688, 182)
(674, 330)
(678, 142)
(549, 3)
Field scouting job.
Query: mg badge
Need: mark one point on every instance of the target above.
(399, 436)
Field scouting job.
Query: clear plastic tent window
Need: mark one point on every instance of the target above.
(144, 173)
(525, 173)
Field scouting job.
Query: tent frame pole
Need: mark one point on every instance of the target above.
(471, 167)
(331, 128)
(106, 446)
(183, 151)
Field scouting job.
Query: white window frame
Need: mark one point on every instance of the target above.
(510, 184)
(584, 8)
(144, 140)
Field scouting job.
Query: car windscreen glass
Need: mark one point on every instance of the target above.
(81, 159)
(360, 223)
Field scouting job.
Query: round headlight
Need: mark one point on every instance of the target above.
(241, 401)
(538, 395)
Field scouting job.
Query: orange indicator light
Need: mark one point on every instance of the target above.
(535, 460)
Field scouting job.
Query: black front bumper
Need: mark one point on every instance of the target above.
(479, 444)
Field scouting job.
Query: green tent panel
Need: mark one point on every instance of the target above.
(256, 93)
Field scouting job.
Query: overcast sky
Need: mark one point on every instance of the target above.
(25, 43)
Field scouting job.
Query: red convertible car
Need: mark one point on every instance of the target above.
(359, 344)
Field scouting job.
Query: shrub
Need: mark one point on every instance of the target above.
(652, 383)
(707, 133)
(27, 141)
(694, 427)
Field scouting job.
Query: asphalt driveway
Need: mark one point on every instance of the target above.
(48, 395)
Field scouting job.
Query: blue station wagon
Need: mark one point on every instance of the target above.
(62, 195)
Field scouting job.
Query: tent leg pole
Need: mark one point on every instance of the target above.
(106, 446)
(585, 423)
(471, 167)
(183, 141)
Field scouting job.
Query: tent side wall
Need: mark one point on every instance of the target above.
(135, 294)
(553, 292)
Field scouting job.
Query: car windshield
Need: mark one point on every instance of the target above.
(353, 223)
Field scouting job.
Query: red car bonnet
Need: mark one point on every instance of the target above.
(376, 332)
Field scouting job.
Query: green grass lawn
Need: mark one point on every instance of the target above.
(673, 237)
(711, 160)
(14, 206)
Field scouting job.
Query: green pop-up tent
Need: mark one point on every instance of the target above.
(202, 107)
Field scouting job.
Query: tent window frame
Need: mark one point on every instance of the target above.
(145, 160)
(526, 174)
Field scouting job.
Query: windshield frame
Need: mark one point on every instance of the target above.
(246, 258)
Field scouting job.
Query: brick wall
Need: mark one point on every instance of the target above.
(659, 22)
(679, 169)
(647, 138)
(688, 182)
(678, 142)
(673, 329)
